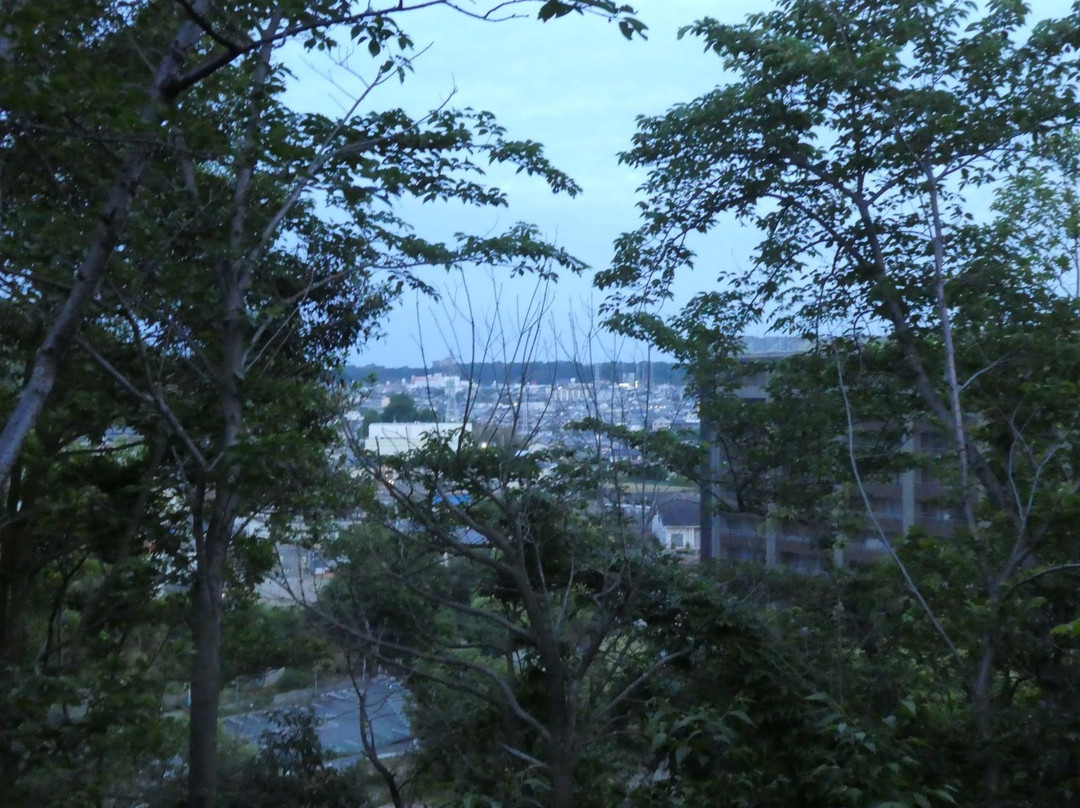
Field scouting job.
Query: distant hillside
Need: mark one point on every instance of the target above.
(359, 373)
(550, 372)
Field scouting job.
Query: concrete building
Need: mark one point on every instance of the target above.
(912, 498)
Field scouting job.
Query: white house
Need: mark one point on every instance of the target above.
(676, 523)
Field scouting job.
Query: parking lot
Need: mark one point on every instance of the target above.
(338, 715)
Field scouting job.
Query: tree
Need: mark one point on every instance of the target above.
(506, 585)
(277, 317)
(86, 635)
(265, 290)
(701, 677)
(291, 768)
(855, 138)
(700, 683)
(401, 407)
(193, 42)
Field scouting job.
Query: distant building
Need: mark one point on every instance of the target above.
(395, 439)
(440, 382)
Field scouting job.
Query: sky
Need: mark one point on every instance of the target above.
(577, 86)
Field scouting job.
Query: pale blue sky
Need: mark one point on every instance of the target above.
(576, 85)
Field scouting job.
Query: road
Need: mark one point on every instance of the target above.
(298, 574)
(338, 716)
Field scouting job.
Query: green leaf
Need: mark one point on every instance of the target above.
(742, 716)
(681, 754)
(1070, 629)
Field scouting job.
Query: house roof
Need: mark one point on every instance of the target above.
(683, 512)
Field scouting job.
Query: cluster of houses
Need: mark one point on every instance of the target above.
(695, 523)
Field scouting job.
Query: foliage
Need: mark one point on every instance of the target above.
(259, 638)
(681, 685)
(776, 703)
(291, 770)
(185, 262)
(505, 588)
(857, 140)
(85, 739)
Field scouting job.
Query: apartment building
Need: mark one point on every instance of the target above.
(882, 512)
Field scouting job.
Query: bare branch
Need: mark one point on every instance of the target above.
(911, 585)
(1036, 576)
(155, 400)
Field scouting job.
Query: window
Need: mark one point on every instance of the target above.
(742, 525)
(887, 506)
(933, 441)
(934, 512)
(677, 541)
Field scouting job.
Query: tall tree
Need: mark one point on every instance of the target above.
(856, 138)
(221, 303)
(46, 62)
(510, 590)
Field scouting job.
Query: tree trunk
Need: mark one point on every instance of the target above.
(206, 670)
(562, 760)
(983, 709)
(14, 583)
(233, 277)
(14, 593)
(562, 752)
